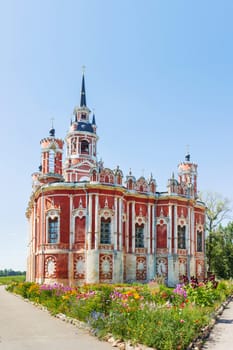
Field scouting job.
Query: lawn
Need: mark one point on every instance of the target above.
(5, 280)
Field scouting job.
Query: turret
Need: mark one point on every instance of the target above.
(81, 142)
(187, 176)
(51, 158)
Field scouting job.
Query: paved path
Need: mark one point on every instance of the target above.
(221, 337)
(25, 327)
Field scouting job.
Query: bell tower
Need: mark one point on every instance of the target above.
(81, 141)
(51, 159)
(187, 176)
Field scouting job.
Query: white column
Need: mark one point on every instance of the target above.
(133, 227)
(71, 240)
(148, 228)
(115, 224)
(96, 222)
(120, 224)
(89, 222)
(189, 232)
(175, 229)
(43, 240)
(153, 228)
(169, 230)
(192, 228)
(127, 229)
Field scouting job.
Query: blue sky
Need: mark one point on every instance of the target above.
(158, 74)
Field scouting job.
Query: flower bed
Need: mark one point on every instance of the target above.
(150, 314)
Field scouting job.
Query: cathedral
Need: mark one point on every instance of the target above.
(90, 224)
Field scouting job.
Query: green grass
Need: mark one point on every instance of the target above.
(9, 279)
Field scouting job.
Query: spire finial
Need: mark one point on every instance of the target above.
(52, 130)
(52, 119)
(187, 156)
(83, 92)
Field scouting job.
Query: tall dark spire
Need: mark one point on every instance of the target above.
(93, 119)
(83, 93)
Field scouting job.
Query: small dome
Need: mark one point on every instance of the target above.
(52, 132)
(85, 127)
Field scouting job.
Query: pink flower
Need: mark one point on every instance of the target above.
(182, 321)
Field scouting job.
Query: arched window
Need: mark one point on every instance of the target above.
(199, 241)
(84, 147)
(105, 231)
(181, 237)
(139, 236)
(52, 230)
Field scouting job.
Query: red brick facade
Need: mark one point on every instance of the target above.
(88, 224)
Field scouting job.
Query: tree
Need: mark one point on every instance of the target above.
(222, 251)
(217, 210)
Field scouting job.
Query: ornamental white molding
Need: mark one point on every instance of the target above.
(53, 213)
(140, 219)
(50, 267)
(200, 227)
(106, 213)
(182, 221)
(162, 219)
(80, 212)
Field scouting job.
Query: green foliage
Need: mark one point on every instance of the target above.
(217, 210)
(220, 243)
(153, 315)
(203, 295)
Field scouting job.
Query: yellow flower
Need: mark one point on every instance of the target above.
(136, 296)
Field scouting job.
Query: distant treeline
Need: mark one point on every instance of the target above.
(10, 272)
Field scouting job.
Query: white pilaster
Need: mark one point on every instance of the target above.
(169, 230)
(71, 240)
(120, 224)
(133, 227)
(115, 224)
(175, 229)
(127, 229)
(96, 222)
(189, 232)
(153, 229)
(89, 221)
(148, 228)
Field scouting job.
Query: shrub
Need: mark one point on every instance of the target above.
(151, 314)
